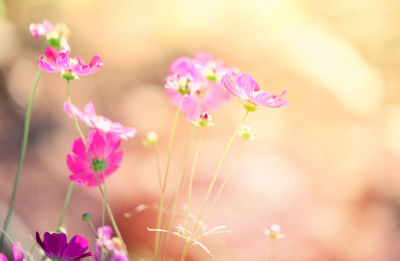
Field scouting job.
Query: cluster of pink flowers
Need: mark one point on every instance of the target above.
(197, 86)
(203, 84)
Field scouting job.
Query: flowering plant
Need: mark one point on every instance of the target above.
(197, 87)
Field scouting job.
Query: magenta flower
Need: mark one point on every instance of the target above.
(17, 252)
(41, 29)
(193, 84)
(246, 88)
(104, 156)
(55, 246)
(112, 246)
(89, 116)
(70, 68)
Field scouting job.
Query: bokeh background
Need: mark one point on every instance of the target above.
(325, 168)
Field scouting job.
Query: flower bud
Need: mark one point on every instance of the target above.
(204, 120)
(151, 139)
(274, 232)
(247, 133)
(86, 217)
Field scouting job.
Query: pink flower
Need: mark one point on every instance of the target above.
(193, 84)
(41, 29)
(89, 116)
(17, 253)
(70, 68)
(104, 156)
(246, 88)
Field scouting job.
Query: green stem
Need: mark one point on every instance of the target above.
(157, 156)
(221, 188)
(196, 157)
(103, 213)
(75, 119)
(21, 157)
(114, 223)
(210, 187)
(178, 189)
(162, 198)
(66, 202)
(269, 254)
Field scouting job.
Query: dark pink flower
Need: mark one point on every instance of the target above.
(55, 246)
(17, 253)
(112, 246)
(246, 88)
(194, 84)
(104, 156)
(41, 29)
(89, 116)
(70, 68)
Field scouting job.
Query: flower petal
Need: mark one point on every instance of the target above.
(76, 246)
(17, 252)
(55, 244)
(246, 84)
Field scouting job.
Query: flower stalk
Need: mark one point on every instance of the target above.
(21, 158)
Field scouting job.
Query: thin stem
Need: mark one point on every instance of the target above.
(21, 157)
(162, 198)
(157, 156)
(269, 253)
(66, 202)
(196, 157)
(114, 223)
(178, 188)
(210, 187)
(75, 119)
(92, 226)
(103, 213)
(227, 177)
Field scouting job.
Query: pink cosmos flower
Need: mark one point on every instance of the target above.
(246, 88)
(112, 245)
(193, 84)
(104, 156)
(41, 29)
(89, 116)
(70, 68)
(17, 253)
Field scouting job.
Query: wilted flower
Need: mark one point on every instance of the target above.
(70, 68)
(274, 232)
(193, 84)
(113, 250)
(93, 120)
(103, 150)
(41, 29)
(55, 246)
(56, 36)
(17, 253)
(246, 88)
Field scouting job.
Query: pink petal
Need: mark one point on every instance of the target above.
(229, 84)
(96, 144)
(78, 147)
(45, 66)
(51, 55)
(181, 66)
(63, 60)
(77, 165)
(246, 84)
(17, 251)
(78, 114)
(107, 230)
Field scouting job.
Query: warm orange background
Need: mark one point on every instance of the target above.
(325, 168)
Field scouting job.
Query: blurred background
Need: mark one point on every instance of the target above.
(325, 168)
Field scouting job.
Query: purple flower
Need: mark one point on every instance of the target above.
(17, 253)
(55, 246)
(112, 246)
(70, 68)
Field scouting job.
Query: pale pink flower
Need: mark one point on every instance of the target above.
(41, 29)
(90, 117)
(246, 88)
(70, 68)
(104, 157)
(193, 84)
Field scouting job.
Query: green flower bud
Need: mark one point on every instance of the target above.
(86, 217)
(247, 133)
(151, 139)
